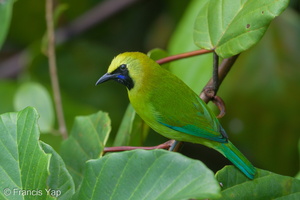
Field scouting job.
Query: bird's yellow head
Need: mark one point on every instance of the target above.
(128, 68)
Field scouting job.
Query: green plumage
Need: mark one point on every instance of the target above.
(171, 108)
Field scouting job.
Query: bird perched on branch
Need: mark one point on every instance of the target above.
(170, 107)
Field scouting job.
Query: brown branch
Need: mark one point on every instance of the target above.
(224, 68)
(52, 69)
(183, 55)
(165, 145)
(215, 76)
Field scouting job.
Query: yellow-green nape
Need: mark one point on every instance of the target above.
(125, 58)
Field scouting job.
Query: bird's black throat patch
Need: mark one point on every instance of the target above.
(121, 75)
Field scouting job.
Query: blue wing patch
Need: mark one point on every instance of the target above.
(196, 131)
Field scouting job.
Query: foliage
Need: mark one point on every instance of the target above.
(231, 28)
(267, 185)
(155, 174)
(24, 164)
(175, 176)
(5, 16)
(87, 140)
(77, 169)
(35, 95)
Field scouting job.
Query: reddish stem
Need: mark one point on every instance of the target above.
(183, 55)
(165, 145)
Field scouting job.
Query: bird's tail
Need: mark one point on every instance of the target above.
(238, 159)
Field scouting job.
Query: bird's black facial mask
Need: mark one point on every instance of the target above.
(120, 75)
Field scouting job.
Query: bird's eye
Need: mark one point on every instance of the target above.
(123, 67)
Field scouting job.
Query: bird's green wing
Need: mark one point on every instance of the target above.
(178, 107)
(194, 118)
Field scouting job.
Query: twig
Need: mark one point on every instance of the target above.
(224, 68)
(52, 69)
(165, 145)
(183, 55)
(215, 76)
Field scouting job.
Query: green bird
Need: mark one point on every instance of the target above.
(170, 107)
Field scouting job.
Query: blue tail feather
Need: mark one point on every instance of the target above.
(238, 159)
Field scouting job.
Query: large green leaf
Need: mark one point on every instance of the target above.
(34, 94)
(266, 185)
(140, 174)
(132, 131)
(6, 7)
(60, 182)
(194, 71)
(231, 27)
(87, 140)
(23, 164)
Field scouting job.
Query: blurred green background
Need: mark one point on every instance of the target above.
(262, 91)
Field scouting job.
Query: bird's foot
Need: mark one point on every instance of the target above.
(210, 93)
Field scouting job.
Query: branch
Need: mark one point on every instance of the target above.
(183, 55)
(52, 69)
(215, 76)
(223, 70)
(166, 145)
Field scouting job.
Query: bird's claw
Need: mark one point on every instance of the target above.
(210, 93)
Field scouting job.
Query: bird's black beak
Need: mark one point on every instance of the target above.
(106, 77)
(121, 76)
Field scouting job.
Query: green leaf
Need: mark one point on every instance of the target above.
(87, 140)
(23, 164)
(6, 7)
(157, 54)
(140, 174)
(34, 94)
(231, 27)
(132, 131)
(197, 70)
(298, 175)
(7, 92)
(266, 185)
(124, 133)
(60, 182)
